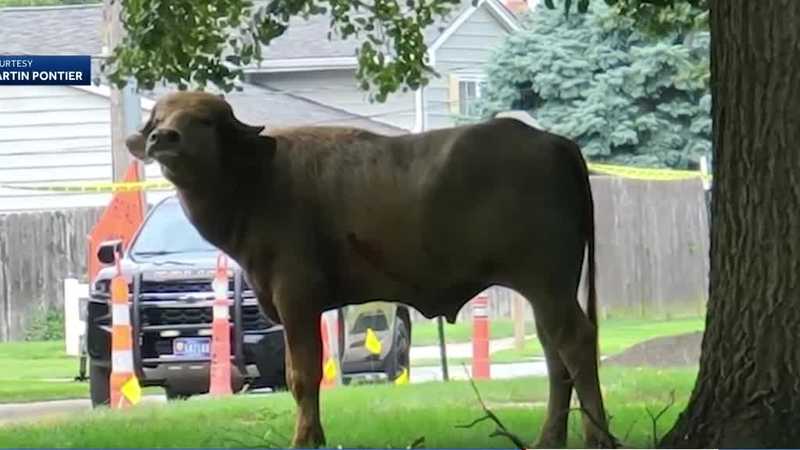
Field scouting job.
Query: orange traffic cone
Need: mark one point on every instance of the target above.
(220, 377)
(124, 386)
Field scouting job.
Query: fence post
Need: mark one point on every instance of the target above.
(73, 324)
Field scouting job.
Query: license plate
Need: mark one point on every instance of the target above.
(191, 348)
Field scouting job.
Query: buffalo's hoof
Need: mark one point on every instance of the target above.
(549, 442)
(310, 437)
(602, 441)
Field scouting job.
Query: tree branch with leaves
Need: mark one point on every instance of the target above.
(194, 44)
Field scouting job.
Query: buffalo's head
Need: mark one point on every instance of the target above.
(197, 140)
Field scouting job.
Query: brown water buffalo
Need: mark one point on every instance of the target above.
(321, 217)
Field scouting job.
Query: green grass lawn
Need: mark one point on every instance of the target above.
(615, 336)
(37, 371)
(31, 371)
(366, 416)
(427, 333)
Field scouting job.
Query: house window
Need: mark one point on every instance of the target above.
(464, 93)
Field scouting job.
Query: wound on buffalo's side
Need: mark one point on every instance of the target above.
(371, 253)
(375, 257)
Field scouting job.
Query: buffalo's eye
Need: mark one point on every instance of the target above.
(148, 127)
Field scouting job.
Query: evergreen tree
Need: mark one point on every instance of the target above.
(626, 97)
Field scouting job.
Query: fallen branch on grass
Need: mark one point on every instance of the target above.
(630, 429)
(501, 429)
(614, 442)
(417, 443)
(654, 418)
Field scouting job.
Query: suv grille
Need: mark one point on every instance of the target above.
(175, 316)
(167, 287)
(252, 318)
(154, 287)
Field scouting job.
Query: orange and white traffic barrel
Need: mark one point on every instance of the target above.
(329, 366)
(220, 376)
(124, 386)
(480, 338)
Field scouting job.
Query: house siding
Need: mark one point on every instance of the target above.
(466, 51)
(339, 89)
(54, 134)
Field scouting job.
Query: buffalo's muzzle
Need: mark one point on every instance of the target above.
(162, 139)
(135, 144)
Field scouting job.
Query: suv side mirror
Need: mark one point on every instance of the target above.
(108, 250)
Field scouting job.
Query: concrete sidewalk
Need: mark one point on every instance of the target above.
(461, 349)
(536, 367)
(11, 413)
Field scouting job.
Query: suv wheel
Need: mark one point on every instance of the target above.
(175, 395)
(401, 350)
(99, 383)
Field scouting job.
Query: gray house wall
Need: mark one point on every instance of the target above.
(338, 89)
(53, 135)
(466, 52)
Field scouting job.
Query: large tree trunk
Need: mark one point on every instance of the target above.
(748, 387)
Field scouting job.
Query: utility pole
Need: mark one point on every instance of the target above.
(126, 116)
(442, 348)
(423, 126)
(518, 317)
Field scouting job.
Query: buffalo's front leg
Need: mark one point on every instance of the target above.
(301, 323)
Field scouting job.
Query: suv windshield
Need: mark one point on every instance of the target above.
(168, 231)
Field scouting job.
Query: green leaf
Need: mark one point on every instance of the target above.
(189, 43)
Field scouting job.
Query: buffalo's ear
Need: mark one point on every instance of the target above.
(244, 145)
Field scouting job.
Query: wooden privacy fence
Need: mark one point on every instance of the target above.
(37, 251)
(652, 243)
(652, 254)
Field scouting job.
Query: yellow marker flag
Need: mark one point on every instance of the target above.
(372, 343)
(329, 371)
(403, 378)
(132, 391)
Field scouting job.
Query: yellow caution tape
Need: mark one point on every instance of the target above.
(96, 188)
(329, 371)
(132, 391)
(641, 173)
(372, 343)
(403, 378)
(638, 173)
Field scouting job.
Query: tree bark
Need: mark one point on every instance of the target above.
(748, 389)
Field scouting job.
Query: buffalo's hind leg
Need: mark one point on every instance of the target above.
(554, 430)
(570, 342)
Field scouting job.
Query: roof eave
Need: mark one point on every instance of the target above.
(104, 90)
(303, 64)
(497, 9)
